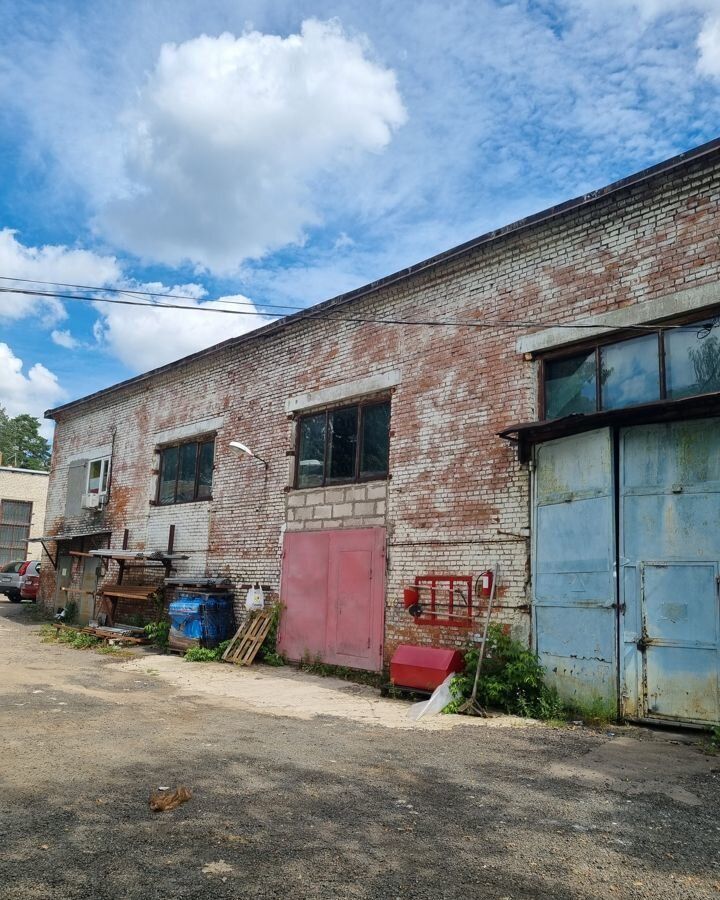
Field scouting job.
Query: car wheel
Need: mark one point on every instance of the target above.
(15, 599)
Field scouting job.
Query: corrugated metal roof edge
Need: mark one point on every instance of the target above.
(552, 212)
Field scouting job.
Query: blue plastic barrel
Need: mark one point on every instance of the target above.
(200, 619)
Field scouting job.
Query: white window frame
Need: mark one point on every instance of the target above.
(104, 475)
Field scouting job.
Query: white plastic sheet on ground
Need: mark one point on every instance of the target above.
(439, 699)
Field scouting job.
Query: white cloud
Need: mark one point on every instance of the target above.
(64, 339)
(52, 263)
(229, 134)
(140, 337)
(32, 393)
(146, 337)
(709, 47)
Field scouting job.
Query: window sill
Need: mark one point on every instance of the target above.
(340, 484)
(156, 505)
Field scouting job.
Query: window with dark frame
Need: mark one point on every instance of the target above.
(343, 445)
(667, 364)
(186, 472)
(15, 519)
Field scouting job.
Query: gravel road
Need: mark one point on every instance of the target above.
(325, 805)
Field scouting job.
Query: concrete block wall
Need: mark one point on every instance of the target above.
(347, 506)
(457, 499)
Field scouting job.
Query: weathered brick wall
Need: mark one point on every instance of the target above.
(457, 500)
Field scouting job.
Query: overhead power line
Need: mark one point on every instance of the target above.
(322, 313)
(139, 293)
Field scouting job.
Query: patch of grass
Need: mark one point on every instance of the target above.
(597, 713)
(206, 654)
(358, 676)
(201, 654)
(85, 641)
(48, 634)
(70, 636)
(116, 652)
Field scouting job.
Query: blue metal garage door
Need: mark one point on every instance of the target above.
(669, 556)
(574, 602)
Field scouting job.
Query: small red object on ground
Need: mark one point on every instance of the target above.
(423, 668)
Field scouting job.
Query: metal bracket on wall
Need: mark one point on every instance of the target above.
(49, 555)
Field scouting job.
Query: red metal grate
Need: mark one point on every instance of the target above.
(445, 600)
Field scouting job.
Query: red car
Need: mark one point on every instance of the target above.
(30, 581)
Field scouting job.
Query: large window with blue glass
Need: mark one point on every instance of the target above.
(669, 363)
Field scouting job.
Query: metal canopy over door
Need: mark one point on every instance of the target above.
(574, 602)
(333, 592)
(670, 551)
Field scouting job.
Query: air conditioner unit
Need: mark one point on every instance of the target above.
(93, 501)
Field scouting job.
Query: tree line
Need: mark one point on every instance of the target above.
(21, 444)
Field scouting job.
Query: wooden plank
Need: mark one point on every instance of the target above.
(248, 639)
(129, 591)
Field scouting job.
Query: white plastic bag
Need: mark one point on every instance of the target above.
(439, 699)
(255, 598)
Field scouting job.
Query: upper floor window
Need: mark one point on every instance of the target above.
(670, 363)
(350, 443)
(97, 477)
(186, 472)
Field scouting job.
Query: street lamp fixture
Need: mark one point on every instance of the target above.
(242, 448)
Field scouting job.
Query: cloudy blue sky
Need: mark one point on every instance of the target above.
(240, 153)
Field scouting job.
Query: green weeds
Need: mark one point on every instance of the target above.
(206, 654)
(511, 680)
(268, 652)
(712, 745)
(158, 632)
(316, 667)
(77, 639)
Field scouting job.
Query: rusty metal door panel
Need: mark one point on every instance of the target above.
(669, 555)
(333, 593)
(574, 602)
(680, 640)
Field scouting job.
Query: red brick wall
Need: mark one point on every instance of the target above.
(457, 500)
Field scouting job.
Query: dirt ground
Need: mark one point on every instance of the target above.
(314, 788)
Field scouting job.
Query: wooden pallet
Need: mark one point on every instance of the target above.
(248, 639)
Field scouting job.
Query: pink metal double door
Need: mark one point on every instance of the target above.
(333, 591)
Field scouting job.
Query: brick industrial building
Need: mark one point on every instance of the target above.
(386, 426)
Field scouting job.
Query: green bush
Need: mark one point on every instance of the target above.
(158, 632)
(201, 654)
(83, 641)
(511, 680)
(71, 611)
